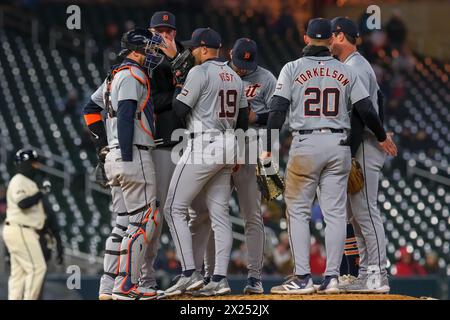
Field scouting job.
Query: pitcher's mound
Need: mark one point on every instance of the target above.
(301, 297)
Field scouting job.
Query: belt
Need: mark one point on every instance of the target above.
(211, 134)
(140, 147)
(322, 130)
(20, 225)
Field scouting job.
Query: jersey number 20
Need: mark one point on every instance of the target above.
(228, 103)
(313, 107)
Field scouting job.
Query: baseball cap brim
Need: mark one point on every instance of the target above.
(167, 25)
(244, 65)
(189, 44)
(193, 44)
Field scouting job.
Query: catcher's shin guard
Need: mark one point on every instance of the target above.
(141, 228)
(112, 253)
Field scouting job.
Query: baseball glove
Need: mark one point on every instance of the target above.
(269, 181)
(181, 65)
(355, 178)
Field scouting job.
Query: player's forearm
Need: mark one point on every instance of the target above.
(262, 118)
(380, 100)
(180, 108)
(277, 115)
(162, 101)
(94, 121)
(125, 127)
(242, 119)
(370, 117)
(356, 133)
(30, 201)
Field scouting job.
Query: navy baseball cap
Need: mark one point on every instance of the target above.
(244, 54)
(163, 19)
(319, 28)
(204, 37)
(345, 25)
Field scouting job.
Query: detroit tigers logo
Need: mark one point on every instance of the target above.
(250, 91)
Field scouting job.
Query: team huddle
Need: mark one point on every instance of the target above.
(335, 115)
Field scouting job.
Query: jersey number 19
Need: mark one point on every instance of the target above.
(228, 103)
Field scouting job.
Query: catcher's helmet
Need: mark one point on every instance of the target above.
(24, 155)
(145, 42)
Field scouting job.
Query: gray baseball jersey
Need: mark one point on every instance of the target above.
(128, 84)
(363, 209)
(259, 87)
(367, 76)
(215, 93)
(319, 89)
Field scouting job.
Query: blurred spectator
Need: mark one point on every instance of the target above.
(406, 266)
(317, 258)
(129, 25)
(112, 34)
(2, 203)
(72, 105)
(282, 255)
(432, 263)
(168, 262)
(238, 261)
(396, 31)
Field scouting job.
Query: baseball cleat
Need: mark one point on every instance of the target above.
(118, 295)
(213, 289)
(142, 293)
(366, 284)
(295, 285)
(346, 279)
(330, 285)
(206, 280)
(185, 284)
(254, 286)
(105, 296)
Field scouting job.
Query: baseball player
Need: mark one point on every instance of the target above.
(125, 96)
(259, 86)
(162, 90)
(25, 218)
(315, 89)
(363, 210)
(213, 99)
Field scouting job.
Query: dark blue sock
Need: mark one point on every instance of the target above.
(188, 273)
(303, 276)
(217, 278)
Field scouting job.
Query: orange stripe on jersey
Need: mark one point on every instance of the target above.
(92, 118)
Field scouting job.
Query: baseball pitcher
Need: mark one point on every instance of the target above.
(363, 210)
(213, 99)
(259, 86)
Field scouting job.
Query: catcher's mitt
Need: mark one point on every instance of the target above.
(181, 65)
(270, 183)
(100, 175)
(355, 178)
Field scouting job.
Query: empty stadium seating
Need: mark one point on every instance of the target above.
(35, 80)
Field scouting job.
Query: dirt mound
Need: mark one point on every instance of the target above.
(301, 297)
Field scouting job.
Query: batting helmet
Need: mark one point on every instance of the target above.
(24, 155)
